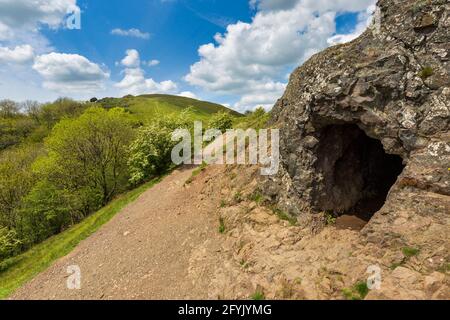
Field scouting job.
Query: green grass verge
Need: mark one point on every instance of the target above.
(16, 271)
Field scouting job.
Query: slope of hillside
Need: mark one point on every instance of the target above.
(147, 107)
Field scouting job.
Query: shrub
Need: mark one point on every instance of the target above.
(221, 121)
(46, 211)
(254, 119)
(222, 227)
(9, 243)
(426, 72)
(150, 153)
(358, 292)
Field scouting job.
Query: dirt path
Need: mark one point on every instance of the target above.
(142, 253)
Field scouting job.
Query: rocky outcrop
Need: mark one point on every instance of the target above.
(364, 132)
(365, 127)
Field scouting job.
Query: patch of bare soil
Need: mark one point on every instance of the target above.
(350, 222)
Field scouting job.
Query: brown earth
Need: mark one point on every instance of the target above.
(142, 253)
(167, 245)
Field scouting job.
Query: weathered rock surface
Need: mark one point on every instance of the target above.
(260, 251)
(365, 128)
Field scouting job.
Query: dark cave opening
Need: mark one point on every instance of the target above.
(356, 173)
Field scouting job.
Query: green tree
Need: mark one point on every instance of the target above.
(221, 121)
(46, 211)
(51, 113)
(16, 180)
(9, 109)
(88, 155)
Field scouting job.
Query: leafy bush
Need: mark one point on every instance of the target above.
(254, 119)
(358, 292)
(46, 211)
(9, 243)
(221, 121)
(150, 153)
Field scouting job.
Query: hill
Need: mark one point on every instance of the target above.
(147, 107)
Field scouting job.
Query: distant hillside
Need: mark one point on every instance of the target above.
(147, 107)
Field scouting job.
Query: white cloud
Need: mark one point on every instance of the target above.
(251, 59)
(70, 73)
(135, 83)
(5, 32)
(136, 33)
(19, 17)
(188, 94)
(364, 20)
(19, 55)
(153, 63)
(131, 59)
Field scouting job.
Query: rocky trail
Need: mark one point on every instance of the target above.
(142, 253)
(167, 245)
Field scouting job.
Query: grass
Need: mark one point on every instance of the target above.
(285, 216)
(426, 72)
(196, 172)
(238, 198)
(258, 296)
(222, 227)
(16, 271)
(244, 264)
(358, 292)
(149, 107)
(408, 253)
(330, 219)
(256, 197)
(223, 203)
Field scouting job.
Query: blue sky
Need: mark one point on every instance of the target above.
(238, 52)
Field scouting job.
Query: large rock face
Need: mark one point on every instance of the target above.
(365, 126)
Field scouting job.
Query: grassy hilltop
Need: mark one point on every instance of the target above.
(149, 107)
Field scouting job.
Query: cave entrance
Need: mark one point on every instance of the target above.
(357, 175)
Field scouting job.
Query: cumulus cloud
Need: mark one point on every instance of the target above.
(135, 33)
(70, 73)
(135, 82)
(18, 17)
(364, 21)
(132, 59)
(251, 59)
(19, 55)
(188, 94)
